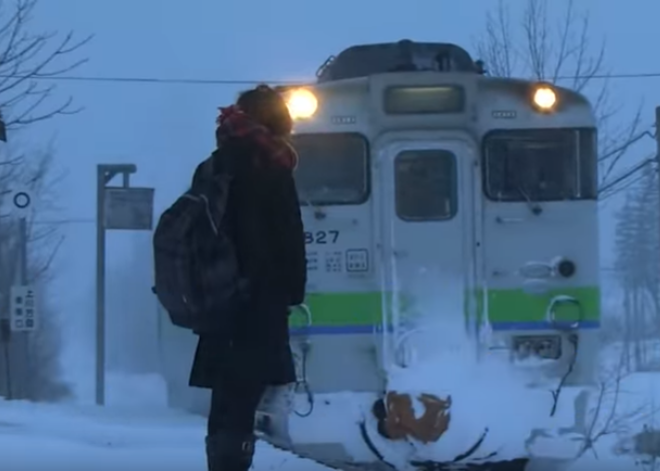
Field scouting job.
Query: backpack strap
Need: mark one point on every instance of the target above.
(223, 160)
(214, 169)
(207, 169)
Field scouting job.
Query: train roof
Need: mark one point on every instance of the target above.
(370, 59)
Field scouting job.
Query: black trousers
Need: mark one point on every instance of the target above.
(234, 406)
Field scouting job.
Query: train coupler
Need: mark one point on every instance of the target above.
(396, 418)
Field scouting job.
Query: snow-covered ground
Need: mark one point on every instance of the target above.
(137, 431)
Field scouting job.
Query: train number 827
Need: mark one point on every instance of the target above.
(321, 237)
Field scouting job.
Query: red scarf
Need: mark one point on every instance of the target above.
(232, 122)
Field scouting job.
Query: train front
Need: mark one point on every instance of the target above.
(453, 246)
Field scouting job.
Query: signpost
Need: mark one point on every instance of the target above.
(23, 311)
(117, 208)
(129, 208)
(21, 201)
(21, 205)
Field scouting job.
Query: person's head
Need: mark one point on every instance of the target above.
(268, 108)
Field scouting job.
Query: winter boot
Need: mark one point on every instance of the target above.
(227, 451)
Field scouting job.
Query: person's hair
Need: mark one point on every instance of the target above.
(268, 108)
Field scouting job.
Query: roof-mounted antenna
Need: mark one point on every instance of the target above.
(480, 67)
(406, 61)
(325, 65)
(443, 61)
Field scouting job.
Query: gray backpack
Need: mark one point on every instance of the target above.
(196, 269)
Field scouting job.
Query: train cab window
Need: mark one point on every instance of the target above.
(540, 165)
(333, 168)
(425, 185)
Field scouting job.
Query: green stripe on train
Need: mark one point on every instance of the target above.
(516, 306)
(504, 305)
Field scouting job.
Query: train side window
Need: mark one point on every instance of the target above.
(425, 185)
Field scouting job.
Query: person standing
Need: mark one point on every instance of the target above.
(252, 352)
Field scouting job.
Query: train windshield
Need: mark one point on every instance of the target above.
(540, 165)
(333, 168)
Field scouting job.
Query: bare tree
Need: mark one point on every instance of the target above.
(28, 62)
(561, 52)
(612, 414)
(637, 249)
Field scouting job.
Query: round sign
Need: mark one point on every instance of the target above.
(22, 200)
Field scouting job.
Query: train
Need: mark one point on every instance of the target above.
(430, 192)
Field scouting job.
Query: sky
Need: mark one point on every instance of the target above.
(167, 129)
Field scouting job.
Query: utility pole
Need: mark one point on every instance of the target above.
(23, 314)
(5, 328)
(657, 159)
(122, 208)
(23, 282)
(657, 134)
(657, 177)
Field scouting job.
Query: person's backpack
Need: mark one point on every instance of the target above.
(196, 270)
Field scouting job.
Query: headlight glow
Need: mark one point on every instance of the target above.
(302, 103)
(545, 98)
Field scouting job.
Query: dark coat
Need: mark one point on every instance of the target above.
(264, 214)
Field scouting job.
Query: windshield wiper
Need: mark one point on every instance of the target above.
(534, 207)
(317, 210)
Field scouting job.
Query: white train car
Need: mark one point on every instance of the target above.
(429, 189)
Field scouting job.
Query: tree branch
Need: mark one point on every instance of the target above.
(538, 51)
(606, 418)
(26, 57)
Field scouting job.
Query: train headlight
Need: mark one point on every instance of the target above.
(545, 98)
(302, 103)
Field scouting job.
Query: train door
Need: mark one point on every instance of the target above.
(427, 233)
(540, 209)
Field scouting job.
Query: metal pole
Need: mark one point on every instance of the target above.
(22, 241)
(5, 328)
(657, 175)
(6, 339)
(23, 280)
(104, 173)
(657, 156)
(657, 134)
(100, 285)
